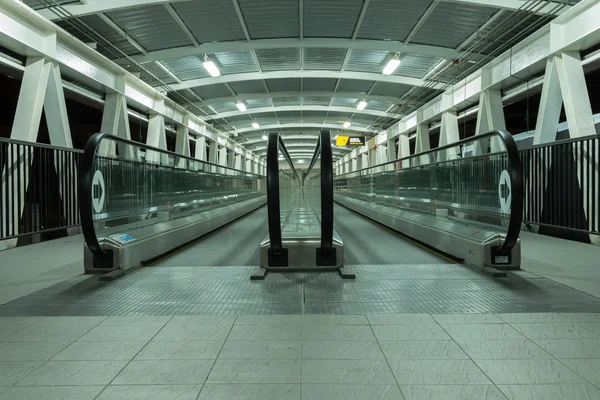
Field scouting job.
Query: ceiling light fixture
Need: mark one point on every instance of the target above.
(211, 68)
(265, 137)
(255, 125)
(241, 106)
(391, 65)
(347, 124)
(362, 105)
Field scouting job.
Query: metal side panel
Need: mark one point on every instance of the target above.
(163, 237)
(471, 244)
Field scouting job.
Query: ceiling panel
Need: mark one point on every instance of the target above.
(368, 60)
(152, 27)
(187, 68)
(324, 59)
(287, 101)
(284, 114)
(378, 105)
(240, 118)
(39, 4)
(390, 89)
(236, 62)
(319, 84)
(457, 21)
(212, 91)
(391, 19)
(225, 107)
(316, 101)
(154, 72)
(255, 103)
(267, 19)
(210, 20)
(354, 85)
(284, 85)
(265, 115)
(279, 59)
(247, 87)
(331, 18)
(338, 114)
(321, 114)
(416, 65)
(343, 102)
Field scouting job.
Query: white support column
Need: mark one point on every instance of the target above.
(359, 165)
(213, 152)
(156, 138)
(55, 108)
(550, 105)
(423, 143)
(489, 117)
(223, 156)
(392, 150)
(353, 164)
(200, 151)
(231, 158)
(115, 121)
(448, 135)
(249, 165)
(381, 154)
(182, 144)
(403, 147)
(365, 160)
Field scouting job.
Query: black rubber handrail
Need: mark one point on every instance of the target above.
(86, 176)
(515, 170)
(274, 145)
(324, 150)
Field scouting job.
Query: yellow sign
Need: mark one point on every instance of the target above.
(343, 141)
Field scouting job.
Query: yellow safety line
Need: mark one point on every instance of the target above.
(403, 236)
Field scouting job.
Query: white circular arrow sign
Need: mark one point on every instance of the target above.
(98, 192)
(504, 193)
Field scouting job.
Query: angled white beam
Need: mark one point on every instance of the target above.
(275, 95)
(421, 21)
(249, 76)
(301, 125)
(299, 108)
(181, 24)
(330, 43)
(507, 4)
(100, 6)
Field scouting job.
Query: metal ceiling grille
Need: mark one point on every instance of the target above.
(416, 65)
(390, 89)
(271, 19)
(316, 101)
(283, 85)
(210, 20)
(152, 27)
(331, 18)
(354, 85)
(40, 4)
(287, 101)
(212, 91)
(318, 84)
(224, 107)
(154, 70)
(368, 60)
(391, 19)
(315, 114)
(255, 103)
(187, 68)
(279, 59)
(247, 87)
(451, 23)
(343, 102)
(324, 59)
(236, 62)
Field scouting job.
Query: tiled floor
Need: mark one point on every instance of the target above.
(395, 356)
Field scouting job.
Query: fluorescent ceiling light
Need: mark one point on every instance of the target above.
(300, 161)
(211, 68)
(241, 106)
(255, 125)
(391, 67)
(362, 105)
(347, 124)
(265, 137)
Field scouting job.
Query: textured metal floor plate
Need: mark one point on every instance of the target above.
(426, 288)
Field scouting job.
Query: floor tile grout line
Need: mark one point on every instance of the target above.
(44, 362)
(387, 362)
(132, 358)
(216, 359)
(470, 358)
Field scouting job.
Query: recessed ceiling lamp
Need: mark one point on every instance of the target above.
(392, 65)
(362, 105)
(347, 124)
(265, 137)
(240, 106)
(211, 68)
(300, 161)
(255, 125)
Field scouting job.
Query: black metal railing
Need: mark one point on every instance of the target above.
(39, 188)
(326, 253)
(562, 185)
(278, 255)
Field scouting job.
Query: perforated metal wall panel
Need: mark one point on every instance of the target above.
(284, 85)
(212, 91)
(324, 59)
(331, 18)
(187, 68)
(279, 59)
(245, 87)
(104, 30)
(451, 23)
(354, 85)
(267, 19)
(368, 60)
(391, 19)
(390, 89)
(318, 84)
(152, 27)
(210, 20)
(236, 62)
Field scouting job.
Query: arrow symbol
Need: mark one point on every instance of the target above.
(505, 188)
(97, 191)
